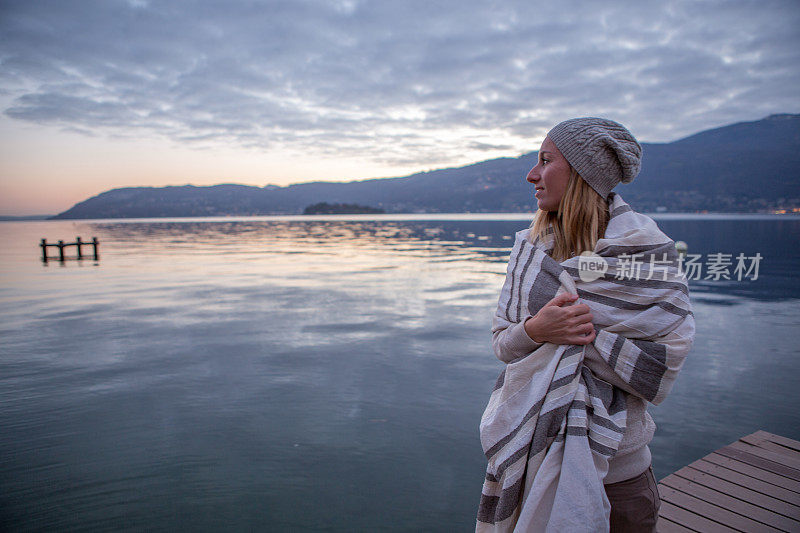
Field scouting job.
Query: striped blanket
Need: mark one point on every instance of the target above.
(551, 426)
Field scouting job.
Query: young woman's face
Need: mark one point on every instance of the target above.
(550, 176)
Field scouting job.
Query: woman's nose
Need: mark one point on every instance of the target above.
(531, 177)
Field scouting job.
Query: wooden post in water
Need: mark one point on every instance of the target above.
(61, 245)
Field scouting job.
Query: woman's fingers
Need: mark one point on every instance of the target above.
(579, 309)
(560, 322)
(584, 338)
(581, 318)
(561, 299)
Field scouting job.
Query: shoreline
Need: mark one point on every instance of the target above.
(398, 217)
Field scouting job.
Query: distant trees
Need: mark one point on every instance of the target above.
(324, 208)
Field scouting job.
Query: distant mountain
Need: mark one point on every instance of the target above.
(23, 218)
(748, 166)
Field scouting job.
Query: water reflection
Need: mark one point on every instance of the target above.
(453, 240)
(231, 374)
(265, 236)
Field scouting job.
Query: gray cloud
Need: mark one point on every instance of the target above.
(390, 81)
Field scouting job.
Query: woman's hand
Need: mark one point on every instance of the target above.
(560, 322)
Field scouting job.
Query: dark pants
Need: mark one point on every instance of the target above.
(634, 503)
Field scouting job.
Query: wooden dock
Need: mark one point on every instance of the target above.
(61, 245)
(750, 485)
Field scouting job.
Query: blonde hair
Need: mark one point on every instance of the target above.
(580, 221)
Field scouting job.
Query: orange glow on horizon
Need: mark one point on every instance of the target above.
(44, 170)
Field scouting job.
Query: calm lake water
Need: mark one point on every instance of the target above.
(320, 374)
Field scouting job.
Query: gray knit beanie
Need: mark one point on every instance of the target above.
(602, 151)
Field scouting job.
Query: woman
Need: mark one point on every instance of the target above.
(594, 321)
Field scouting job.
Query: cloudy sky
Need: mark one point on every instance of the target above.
(109, 93)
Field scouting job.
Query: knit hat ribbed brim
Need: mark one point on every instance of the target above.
(602, 151)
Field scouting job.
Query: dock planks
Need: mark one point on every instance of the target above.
(750, 485)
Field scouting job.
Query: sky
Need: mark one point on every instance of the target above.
(101, 94)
